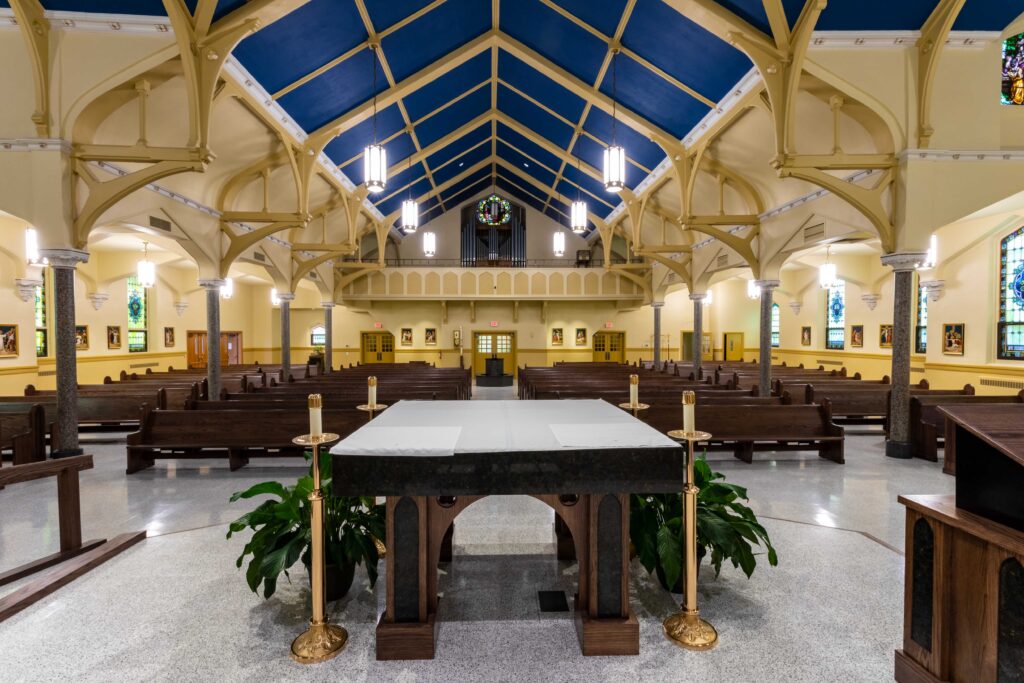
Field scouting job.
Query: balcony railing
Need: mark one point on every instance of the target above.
(488, 263)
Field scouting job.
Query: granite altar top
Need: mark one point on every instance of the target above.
(1001, 425)
(444, 428)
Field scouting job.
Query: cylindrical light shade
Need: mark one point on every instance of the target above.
(227, 290)
(32, 246)
(753, 291)
(410, 216)
(932, 258)
(559, 243)
(578, 217)
(429, 244)
(147, 273)
(614, 168)
(707, 298)
(275, 300)
(827, 275)
(375, 168)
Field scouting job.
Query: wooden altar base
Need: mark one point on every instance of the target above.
(606, 637)
(412, 640)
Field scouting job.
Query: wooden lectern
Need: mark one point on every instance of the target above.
(964, 587)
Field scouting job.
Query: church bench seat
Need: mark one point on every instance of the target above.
(928, 425)
(23, 429)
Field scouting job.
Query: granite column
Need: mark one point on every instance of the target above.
(213, 288)
(904, 264)
(764, 356)
(657, 305)
(698, 332)
(328, 335)
(286, 336)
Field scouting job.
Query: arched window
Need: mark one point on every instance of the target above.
(42, 345)
(835, 316)
(775, 326)
(138, 316)
(318, 336)
(1011, 297)
(921, 328)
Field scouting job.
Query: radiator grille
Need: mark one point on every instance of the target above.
(829, 362)
(159, 224)
(814, 233)
(913, 369)
(257, 256)
(1002, 383)
(143, 365)
(47, 373)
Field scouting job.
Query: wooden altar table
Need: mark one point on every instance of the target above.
(432, 459)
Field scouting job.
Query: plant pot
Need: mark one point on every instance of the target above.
(678, 587)
(337, 580)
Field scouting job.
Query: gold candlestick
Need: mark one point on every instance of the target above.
(371, 409)
(634, 407)
(686, 628)
(322, 640)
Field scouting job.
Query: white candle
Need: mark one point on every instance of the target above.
(634, 390)
(689, 400)
(371, 384)
(316, 427)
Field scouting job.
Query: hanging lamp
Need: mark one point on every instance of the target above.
(559, 243)
(707, 298)
(827, 274)
(32, 255)
(375, 157)
(753, 291)
(931, 259)
(227, 290)
(275, 300)
(146, 269)
(614, 154)
(578, 210)
(410, 212)
(429, 244)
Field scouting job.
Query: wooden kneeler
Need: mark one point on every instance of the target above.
(75, 558)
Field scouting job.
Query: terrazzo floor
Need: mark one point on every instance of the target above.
(174, 608)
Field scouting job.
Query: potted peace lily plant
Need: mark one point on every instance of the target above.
(726, 528)
(282, 535)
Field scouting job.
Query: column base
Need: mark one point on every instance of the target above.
(66, 453)
(899, 449)
(406, 640)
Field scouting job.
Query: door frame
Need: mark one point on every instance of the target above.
(725, 345)
(515, 347)
(625, 347)
(206, 333)
(362, 345)
(710, 356)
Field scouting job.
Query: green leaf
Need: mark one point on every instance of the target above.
(670, 552)
(268, 487)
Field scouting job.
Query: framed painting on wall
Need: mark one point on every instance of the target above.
(581, 336)
(406, 336)
(557, 336)
(431, 336)
(805, 336)
(8, 341)
(168, 337)
(81, 337)
(953, 339)
(457, 337)
(113, 337)
(856, 336)
(885, 336)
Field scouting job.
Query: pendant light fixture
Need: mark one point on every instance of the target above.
(429, 244)
(227, 290)
(559, 243)
(753, 291)
(32, 255)
(708, 298)
(614, 154)
(146, 270)
(827, 274)
(375, 157)
(410, 212)
(931, 259)
(578, 210)
(275, 300)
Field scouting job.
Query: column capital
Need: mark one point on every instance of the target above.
(904, 261)
(699, 296)
(287, 297)
(870, 300)
(180, 307)
(98, 299)
(657, 304)
(767, 284)
(212, 283)
(327, 304)
(64, 258)
(26, 287)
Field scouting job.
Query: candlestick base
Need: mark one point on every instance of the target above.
(634, 406)
(319, 643)
(683, 435)
(375, 408)
(310, 440)
(688, 630)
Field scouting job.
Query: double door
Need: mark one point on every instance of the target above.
(494, 345)
(609, 347)
(378, 347)
(197, 349)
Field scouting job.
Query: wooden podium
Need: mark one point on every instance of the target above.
(964, 586)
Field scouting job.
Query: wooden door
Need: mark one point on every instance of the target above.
(494, 344)
(733, 346)
(378, 347)
(195, 349)
(610, 347)
(231, 348)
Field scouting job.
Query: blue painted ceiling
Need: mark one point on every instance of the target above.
(415, 34)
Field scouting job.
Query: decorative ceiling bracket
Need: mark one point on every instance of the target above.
(934, 288)
(929, 48)
(797, 305)
(180, 307)
(870, 300)
(35, 29)
(97, 299)
(26, 288)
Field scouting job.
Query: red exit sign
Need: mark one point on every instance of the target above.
(377, 326)
(608, 325)
(494, 323)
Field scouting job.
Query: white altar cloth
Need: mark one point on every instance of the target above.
(440, 428)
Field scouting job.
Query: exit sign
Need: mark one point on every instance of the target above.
(377, 326)
(608, 325)
(494, 323)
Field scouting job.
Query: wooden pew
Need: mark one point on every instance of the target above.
(23, 430)
(239, 436)
(928, 424)
(743, 431)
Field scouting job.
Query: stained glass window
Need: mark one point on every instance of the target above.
(1013, 70)
(138, 316)
(835, 316)
(318, 336)
(921, 328)
(776, 326)
(1011, 297)
(42, 348)
(493, 210)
